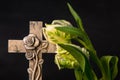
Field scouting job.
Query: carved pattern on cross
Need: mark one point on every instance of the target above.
(33, 45)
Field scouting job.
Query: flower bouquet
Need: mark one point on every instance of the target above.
(73, 56)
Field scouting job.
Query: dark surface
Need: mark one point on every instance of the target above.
(101, 19)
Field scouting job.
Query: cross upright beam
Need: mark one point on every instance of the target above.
(33, 45)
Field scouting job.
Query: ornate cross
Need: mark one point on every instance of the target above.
(33, 45)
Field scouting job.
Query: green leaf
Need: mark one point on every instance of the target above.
(110, 66)
(76, 17)
(77, 53)
(71, 30)
(87, 44)
(75, 33)
(89, 73)
(80, 25)
(114, 67)
(78, 74)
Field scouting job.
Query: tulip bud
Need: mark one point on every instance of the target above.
(55, 36)
(64, 59)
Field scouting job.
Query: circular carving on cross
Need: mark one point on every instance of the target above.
(29, 55)
(31, 41)
(34, 47)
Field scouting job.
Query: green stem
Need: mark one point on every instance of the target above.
(78, 74)
(95, 58)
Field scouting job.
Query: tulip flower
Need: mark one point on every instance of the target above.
(73, 56)
(63, 59)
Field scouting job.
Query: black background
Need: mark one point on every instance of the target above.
(101, 19)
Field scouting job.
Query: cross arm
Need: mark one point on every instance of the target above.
(16, 46)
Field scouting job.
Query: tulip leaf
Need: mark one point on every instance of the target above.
(76, 17)
(78, 35)
(78, 74)
(71, 30)
(110, 66)
(76, 53)
(79, 55)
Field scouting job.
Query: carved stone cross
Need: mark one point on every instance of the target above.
(33, 45)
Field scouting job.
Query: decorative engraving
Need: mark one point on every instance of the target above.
(29, 55)
(33, 45)
(31, 41)
(33, 50)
